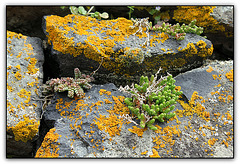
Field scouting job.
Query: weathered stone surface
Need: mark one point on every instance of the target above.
(223, 40)
(85, 42)
(24, 78)
(202, 128)
(27, 20)
(223, 14)
(196, 80)
(216, 21)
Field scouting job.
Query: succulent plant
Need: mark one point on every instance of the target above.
(152, 99)
(72, 85)
(177, 31)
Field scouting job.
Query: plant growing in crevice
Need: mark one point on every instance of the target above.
(152, 99)
(72, 85)
(176, 31)
(131, 9)
(81, 11)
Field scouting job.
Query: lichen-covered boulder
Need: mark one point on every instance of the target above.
(24, 78)
(217, 22)
(98, 125)
(211, 88)
(85, 42)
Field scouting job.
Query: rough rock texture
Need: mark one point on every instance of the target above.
(92, 126)
(223, 41)
(217, 22)
(24, 78)
(223, 14)
(23, 19)
(85, 42)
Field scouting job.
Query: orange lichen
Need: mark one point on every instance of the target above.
(202, 14)
(229, 98)
(226, 143)
(210, 69)
(217, 76)
(144, 153)
(104, 91)
(112, 124)
(100, 49)
(25, 130)
(193, 107)
(18, 76)
(138, 131)
(107, 101)
(23, 96)
(155, 154)
(212, 141)
(49, 147)
(229, 75)
(201, 50)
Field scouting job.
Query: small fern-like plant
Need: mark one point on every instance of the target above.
(152, 99)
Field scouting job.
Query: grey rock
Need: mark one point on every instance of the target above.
(223, 41)
(223, 14)
(187, 136)
(24, 57)
(171, 59)
(196, 80)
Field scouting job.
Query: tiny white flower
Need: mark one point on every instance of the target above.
(158, 8)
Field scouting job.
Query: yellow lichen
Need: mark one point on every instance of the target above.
(229, 75)
(202, 14)
(155, 154)
(138, 131)
(18, 76)
(212, 141)
(49, 147)
(25, 130)
(193, 107)
(210, 69)
(112, 124)
(144, 153)
(104, 91)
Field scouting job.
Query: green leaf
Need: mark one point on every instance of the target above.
(104, 15)
(74, 10)
(151, 122)
(131, 7)
(157, 18)
(142, 124)
(152, 11)
(170, 115)
(152, 127)
(97, 15)
(81, 10)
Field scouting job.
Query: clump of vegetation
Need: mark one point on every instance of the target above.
(72, 85)
(152, 99)
(81, 11)
(177, 31)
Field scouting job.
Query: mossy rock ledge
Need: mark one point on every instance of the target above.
(24, 80)
(85, 42)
